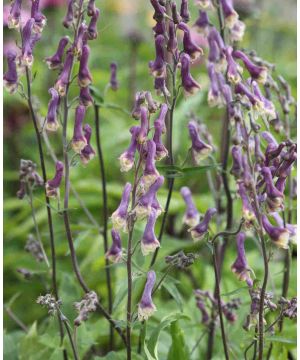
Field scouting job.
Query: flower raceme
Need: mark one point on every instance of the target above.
(146, 308)
(119, 217)
(114, 254)
(198, 231)
(52, 186)
(191, 216)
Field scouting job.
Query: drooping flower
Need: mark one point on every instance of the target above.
(63, 79)
(190, 48)
(159, 10)
(84, 75)
(51, 119)
(79, 41)
(191, 216)
(243, 90)
(291, 227)
(78, 140)
(202, 23)
(87, 153)
(237, 165)
(279, 235)
(15, 15)
(10, 78)
(198, 231)
(139, 100)
(91, 8)
(190, 86)
(151, 104)
(39, 19)
(160, 87)
(27, 57)
(237, 32)
(114, 254)
(92, 28)
(274, 196)
(127, 158)
(248, 212)
(52, 186)
(161, 150)
(85, 98)
(172, 45)
(150, 173)
(149, 241)
(146, 307)
(119, 217)
(142, 136)
(69, 17)
(158, 66)
(184, 11)
(240, 266)
(200, 149)
(214, 95)
(230, 15)
(232, 67)
(114, 84)
(258, 73)
(55, 61)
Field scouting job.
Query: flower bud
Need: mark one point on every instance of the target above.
(52, 186)
(191, 216)
(230, 15)
(189, 46)
(68, 19)
(27, 57)
(279, 235)
(78, 140)
(114, 84)
(10, 78)
(201, 229)
(87, 153)
(258, 73)
(149, 241)
(119, 217)
(92, 28)
(184, 11)
(55, 61)
(51, 119)
(200, 149)
(39, 19)
(146, 307)
(114, 254)
(63, 79)
(158, 66)
(84, 75)
(85, 97)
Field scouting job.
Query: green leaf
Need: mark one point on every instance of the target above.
(97, 95)
(173, 291)
(10, 340)
(236, 291)
(173, 171)
(178, 349)
(281, 339)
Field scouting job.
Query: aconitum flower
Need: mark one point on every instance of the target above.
(68, 19)
(127, 158)
(205, 316)
(260, 157)
(175, 15)
(237, 164)
(78, 140)
(156, 206)
(286, 167)
(146, 307)
(139, 100)
(149, 241)
(91, 8)
(216, 45)
(198, 231)
(184, 11)
(230, 15)
(189, 46)
(142, 136)
(92, 28)
(237, 32)
(15, 15)
(151, 104)
(52, 186)
(55, 61)
(214, 94)
(85, 98)
(274, 196)
(87, 153)
(39, 19)
(159, 10)
(158, 66)
(279, 235)
(200, 149)
(160, 87)
(114, 254)
(191, 216)
(119, 217)
(10, 78)
(202, 23)
(159, 28)
(172, 45)
(240, 266)
(51, 119)
(258, 73)
(161, 150)
(84, 75)
(248, 212)
(291, 228)
(27, 57)
(160, 121)
(150, 173)
(63, 79)
(143, 207)
(190, 86)
(232, 67)
(114, 84)
(79, 40)
(243, 90)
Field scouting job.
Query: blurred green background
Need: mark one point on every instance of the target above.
(125, 36)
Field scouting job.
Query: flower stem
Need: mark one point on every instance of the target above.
(75, 354)
(129, 290)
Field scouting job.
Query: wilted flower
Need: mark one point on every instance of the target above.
(279, 235)
(84, 307)
(55, 61)
(63, 79)
(190, 86)
(200, 149)
(51, 119)
(201, 229)
(49, 302)
(191, 216)
(10, 78)
(52, 186)
(114, 84)
(158, 66)
(119, 217)
(78, 140)
(127, 158)
(92, 28)
(87, 153)
(15, 15)
(258, 73)
(146, 307)
(28, 174)
(84, 75)
(85, 97)
(190, 48)
(230, 15)
(114, 254)
(149, 241)
(184, 11)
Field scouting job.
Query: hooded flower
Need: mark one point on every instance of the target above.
(279, 235)
(85, 97)
(55, 61)
(139, 100)
(119, 217)
(189, 46)
(243, 90)
(191, 216)
(172, 45)
(78, 140)
(51, 119)
(189, 85)
(200, 149)
(150, 173)
(216, 49)
(184, 11)
(175, 15)
(237, 164)
(39, 19)
(160, 121)
(87, 153)
(79, 41)
(160, 87)
(84, 75)
(214, 94)
(201, 229)
(114, 84)
(91, 8)
(149, 241)
(52, 186)
(258, 73)
(63, 79)
(68, 19)
(15, 15)
(114, 254)
(27, 57)
(127, 158)
(156, 206)
(146, 307)
(158, 66)
(161, 150)
(230, 15)
(291, 228)
(144, 128)
(248, 212)
(240, 266)
(92, 28)
(10, 78)
(232, 67)
(202, 23)
(151, 104)
(274, 196)
(159, 10)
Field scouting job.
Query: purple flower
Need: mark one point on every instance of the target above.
(55, 61)
(15, 15)
(291, 228)
(237, 164)
(127, 158)
(202, 23)
(22, 190)
(52, 186)
(200, 149)
(10, 78)
(286, 167)
(119, 217)
(258, 73)
(156, 206)
(214, 94)
(85, 97)
(68, 19)
(91, 8)
(232, 67)
(158, 66)
(205, 316)
(92, 28)
(279, 235)
(159, 127)
(274, 196)
(240, 266)
(39, 19)
(260, 157)
(63, 79)
(172, 45)
(269, 138)
(151, 104)
(78, 140)
(80, 40)
(150, 173)
(84, 75)
(139, 100)
(87, 153)
(216, 48)
(201, 229)
(114, 254)
(159, 28)
(146, 307)
(142, 136)
(27, 57)
(160, 87)
(191, 216)
(159, 10)
(243, 90)
(143, 208)
(230, 15)
(51, 119)
(237, 32)
(189, 46)
(189, 85)
(248, 212)
(114, 84)
(149, 241)
(184, 11)
(160, 121)
(175, 16)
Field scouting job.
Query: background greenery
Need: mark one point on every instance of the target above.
(271, 32)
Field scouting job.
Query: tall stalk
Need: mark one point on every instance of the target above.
(105, 219)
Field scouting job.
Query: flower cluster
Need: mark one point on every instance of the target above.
(49, 302)
(28, 175)
(84, 307)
